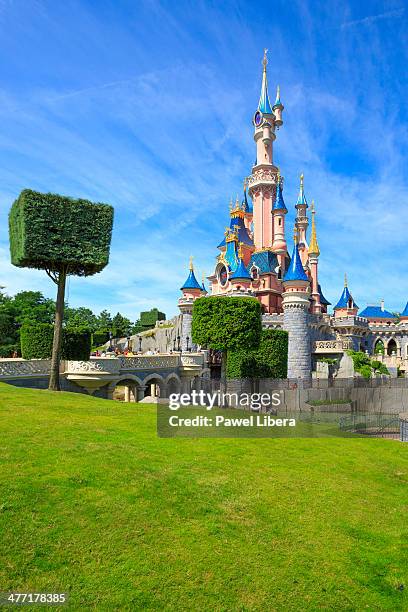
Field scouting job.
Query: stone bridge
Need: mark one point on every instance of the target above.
(141, 375)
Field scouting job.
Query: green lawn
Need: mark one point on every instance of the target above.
(93, 503)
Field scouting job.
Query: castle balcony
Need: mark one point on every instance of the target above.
(331, 346)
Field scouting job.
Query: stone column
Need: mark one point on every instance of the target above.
(296, 323)
(140, 392)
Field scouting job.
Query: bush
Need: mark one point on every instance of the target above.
(48, 231)
(99, 338)
(364, 366)
(7, 350)
(226, 323)
(270, 360)
(76, 344)
(36, 342)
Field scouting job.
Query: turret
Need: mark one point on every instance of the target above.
(191, 290)
(263, 180)
(302, 222)
(277, 109)
(346, 305)
(296, 306)
(279, 211)
(314, 253)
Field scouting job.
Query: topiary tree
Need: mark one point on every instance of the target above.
(226, 323)
(64, 237)
(269, 360)
(37, 342)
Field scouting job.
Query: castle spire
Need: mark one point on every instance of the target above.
(191, 281)
(264, 103)
(345, 279)
(314, 247)
(301, 201)
(278, 102)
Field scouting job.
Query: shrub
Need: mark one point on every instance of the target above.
(7, 350)
(226, 323)
(99, 337)
(36, 342)
(269, 360)
(76, 344)
(48, 231)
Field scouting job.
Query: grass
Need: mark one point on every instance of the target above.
(93, 503)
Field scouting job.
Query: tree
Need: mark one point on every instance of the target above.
(81, 318)
(64, 237)
(227, 323)
(33, 307)
(122, 325)
(104, 321)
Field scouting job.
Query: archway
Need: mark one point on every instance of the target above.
(155, 386)
(173, 384)
(379, 347)
(125, 390)
(392, 347)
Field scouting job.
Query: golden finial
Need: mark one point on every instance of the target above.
(345, 280)
(265, 59)
(191, 262)
(226, 231)
(313, 247)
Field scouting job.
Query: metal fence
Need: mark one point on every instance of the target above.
(377, 425)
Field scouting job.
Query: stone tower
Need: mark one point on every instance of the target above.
(296, 304)
(263, 180)
(191, 290)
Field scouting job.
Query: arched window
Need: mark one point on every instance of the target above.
(392, 347)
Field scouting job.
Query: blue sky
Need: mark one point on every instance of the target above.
(148, 106)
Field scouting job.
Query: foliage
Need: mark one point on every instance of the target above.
(76, 344)
(226, 323)
(37, 338)
(104, 320)
(269, 360)
(80, 317)
(7, 350)
(365, 366)
(122, 325)
(305, 524)
(49, 231)
(328, 360)
(99, 337)
(148, 320)
(379, 348)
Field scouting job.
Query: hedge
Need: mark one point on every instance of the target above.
(99, 338)
(270, 360)
(226, 323)
(36, 342)
(49, 231)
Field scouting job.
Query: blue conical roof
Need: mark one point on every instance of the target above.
(301, 201)
(191, 282)
(264, 104)
(295, 270)
(344, 300)
(278, 102)
(279, 203)
(404, 313)
(241, 271)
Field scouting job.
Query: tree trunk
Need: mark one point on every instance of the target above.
(54, 384)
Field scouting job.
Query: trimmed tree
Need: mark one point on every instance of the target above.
(226, 323)
(269, 360)
(64, 237)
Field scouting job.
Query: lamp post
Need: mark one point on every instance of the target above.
(178, 343)
(110, 340)
(187, 341)
(128, 342)
(140, 344)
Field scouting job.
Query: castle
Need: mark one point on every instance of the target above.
(254, 261)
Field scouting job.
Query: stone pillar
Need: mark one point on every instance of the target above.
(127, 393)
(296, 323)
(140, 392)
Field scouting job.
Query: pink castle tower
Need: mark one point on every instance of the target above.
(253, 257)
(263, 180)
